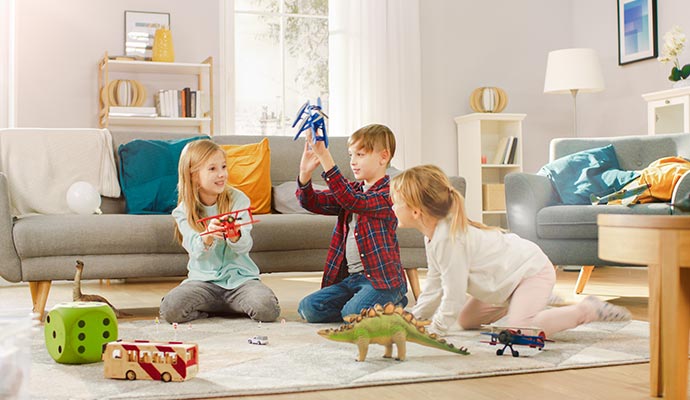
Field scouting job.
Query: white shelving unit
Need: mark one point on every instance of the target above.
(668, 111)
(204, 82)
(479, 135)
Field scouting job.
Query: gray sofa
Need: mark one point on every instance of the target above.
(568, 234)
(40, 249)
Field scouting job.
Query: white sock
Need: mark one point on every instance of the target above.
(604, 311)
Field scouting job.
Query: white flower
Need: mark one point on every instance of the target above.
(674, 42)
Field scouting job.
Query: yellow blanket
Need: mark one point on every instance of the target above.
(662, 175)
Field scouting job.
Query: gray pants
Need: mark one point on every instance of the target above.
(196, 299)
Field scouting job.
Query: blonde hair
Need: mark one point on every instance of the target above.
(374, 137)
(427, 188)
(193, 156)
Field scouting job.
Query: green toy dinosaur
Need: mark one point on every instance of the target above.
(386, 326)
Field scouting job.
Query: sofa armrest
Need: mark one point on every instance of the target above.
(458, 183)
(526, 194)
(10, 267)
(681, 192)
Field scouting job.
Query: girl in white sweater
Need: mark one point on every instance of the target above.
(504, 274)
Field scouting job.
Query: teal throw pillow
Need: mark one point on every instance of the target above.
(595, 171)
(148, 174)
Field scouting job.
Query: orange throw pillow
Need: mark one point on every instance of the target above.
(249, 170)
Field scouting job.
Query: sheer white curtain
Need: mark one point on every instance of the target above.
(375, 73)
(6, 63)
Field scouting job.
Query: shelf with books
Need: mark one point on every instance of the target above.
(159, 121)
(496, 138)
(190, 98)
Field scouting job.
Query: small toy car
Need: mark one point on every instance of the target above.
(258, 340)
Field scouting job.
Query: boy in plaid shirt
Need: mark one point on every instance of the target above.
(363, 266)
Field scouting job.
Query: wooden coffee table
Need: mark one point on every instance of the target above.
(661, 242)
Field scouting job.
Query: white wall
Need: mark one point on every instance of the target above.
(59, 44)
(504, 43)
(465, 44)
(620, 109)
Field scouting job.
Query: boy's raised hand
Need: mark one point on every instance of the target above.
(308, 163)
(319, 148)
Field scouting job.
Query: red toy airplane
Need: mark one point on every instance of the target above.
(229, 222)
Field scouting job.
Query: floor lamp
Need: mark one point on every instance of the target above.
(573, 71)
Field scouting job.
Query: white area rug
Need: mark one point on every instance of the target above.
(297, 359)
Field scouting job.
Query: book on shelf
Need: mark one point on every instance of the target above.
(506, 150)
(133, 112)
(513, 150)
(183, 103)
(500, 151)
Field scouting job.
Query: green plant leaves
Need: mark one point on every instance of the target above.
(675, 75)
(685, 72)
(678, 74)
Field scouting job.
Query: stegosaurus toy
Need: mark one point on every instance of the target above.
(386, 326)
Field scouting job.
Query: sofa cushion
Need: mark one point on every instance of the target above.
(148, 174)
(285, 201)
(45, 235)
(580, 222)
(249, 170)
(595, 171)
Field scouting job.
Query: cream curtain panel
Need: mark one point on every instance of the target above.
(375, 73)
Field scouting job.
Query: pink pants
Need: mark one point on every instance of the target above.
(527, 307)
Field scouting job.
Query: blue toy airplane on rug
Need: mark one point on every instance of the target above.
(510, 337)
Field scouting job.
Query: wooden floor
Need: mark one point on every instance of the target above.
(621, 286)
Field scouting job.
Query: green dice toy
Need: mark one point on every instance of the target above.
(76, 332)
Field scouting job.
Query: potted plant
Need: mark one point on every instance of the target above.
(674, 42)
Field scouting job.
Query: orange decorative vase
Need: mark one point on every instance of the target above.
(163, 46)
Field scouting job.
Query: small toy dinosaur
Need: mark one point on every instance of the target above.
(77, 295)
(386, 326)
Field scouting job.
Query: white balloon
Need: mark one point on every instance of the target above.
(83, 198)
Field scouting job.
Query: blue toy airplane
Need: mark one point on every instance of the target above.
(312, 117)
(510, 337)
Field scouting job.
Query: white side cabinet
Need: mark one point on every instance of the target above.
(482, 138)
(668, 111)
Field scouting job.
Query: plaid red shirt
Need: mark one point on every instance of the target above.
(375, 229)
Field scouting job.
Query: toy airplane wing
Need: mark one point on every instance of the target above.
(230, 220)
(301, 112)
(498, 328)
(303, 127)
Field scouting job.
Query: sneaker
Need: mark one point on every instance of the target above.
(607, 312)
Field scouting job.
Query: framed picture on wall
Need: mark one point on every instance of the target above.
(140, 28)
(637, 38)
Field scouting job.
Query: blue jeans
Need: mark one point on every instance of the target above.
(349, 296)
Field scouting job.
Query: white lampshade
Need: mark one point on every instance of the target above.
(573, 69)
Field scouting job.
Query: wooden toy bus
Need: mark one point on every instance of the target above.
(142, 359)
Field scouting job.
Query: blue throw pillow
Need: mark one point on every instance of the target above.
(148, 174)
(595, 171)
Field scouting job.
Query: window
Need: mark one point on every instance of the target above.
(281, 61)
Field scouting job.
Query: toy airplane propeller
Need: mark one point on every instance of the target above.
(229, 222)
(312, 117)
